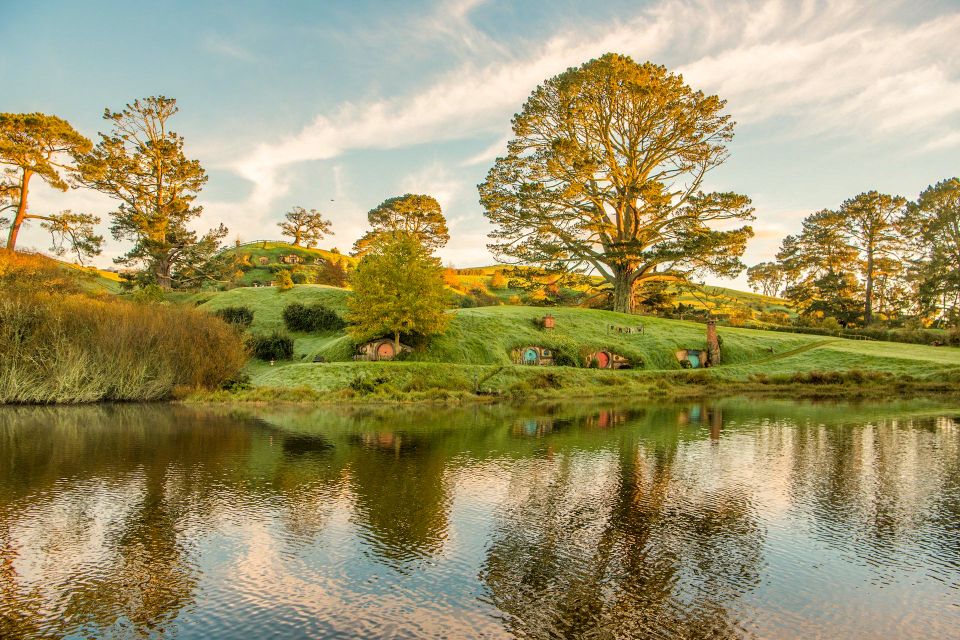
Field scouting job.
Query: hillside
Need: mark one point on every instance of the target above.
(719, 301)
(258, 257)
(480, 339)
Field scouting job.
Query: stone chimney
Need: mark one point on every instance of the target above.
(713, 344)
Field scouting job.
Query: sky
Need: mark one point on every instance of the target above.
(340, 105)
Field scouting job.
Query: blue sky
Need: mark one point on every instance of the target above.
(339, 105)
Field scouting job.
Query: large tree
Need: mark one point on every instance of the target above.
(419, 215)
(397, 288)
(819, 268)
(604, 173)
(305, 227)
(933, 225)
(141, 163)
(871, 221)
(767, 278)
(36, 144)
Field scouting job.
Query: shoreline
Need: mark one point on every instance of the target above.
(820, 386)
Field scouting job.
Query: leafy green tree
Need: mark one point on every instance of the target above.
(306, 227)
(932, 224)
(766, 278)
(397, 288)
(871, 221)
(35, 144)
(284, 280)
(141, 163)
(604, 173)
(418, 215)
(819, 266)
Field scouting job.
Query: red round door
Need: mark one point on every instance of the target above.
(603, 359)
(384, 351)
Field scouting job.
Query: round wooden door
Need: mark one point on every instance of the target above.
(603, 359)
(385, 351)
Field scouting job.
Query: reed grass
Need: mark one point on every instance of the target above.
(74, 349)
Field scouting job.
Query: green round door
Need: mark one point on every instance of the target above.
(694, 359)
(530, 356)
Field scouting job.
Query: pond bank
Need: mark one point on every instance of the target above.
(416, 382)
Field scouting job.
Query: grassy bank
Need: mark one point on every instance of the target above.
(73, 348)
(474, 355)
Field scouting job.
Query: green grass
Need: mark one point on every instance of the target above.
(478, 342)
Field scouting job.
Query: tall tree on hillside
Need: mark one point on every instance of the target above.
(419, 215)
(605, 173)
(819, 266)
(871, 221)
(141, 164)
(932, 224)
(397, 288)
(766, 277)
(306, 227)
(35, 144)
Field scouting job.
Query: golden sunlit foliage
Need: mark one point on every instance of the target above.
(57, 345)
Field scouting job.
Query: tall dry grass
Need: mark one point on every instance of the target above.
(72, 348)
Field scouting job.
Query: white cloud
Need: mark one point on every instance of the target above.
(831, 66)
(434, 180)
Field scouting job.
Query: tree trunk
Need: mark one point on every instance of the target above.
(868, 306)
(622, 292)
(396, 343)
(21, 212)
(162, 273)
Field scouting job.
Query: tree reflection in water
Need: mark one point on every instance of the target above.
(711, 519)
(617, 544)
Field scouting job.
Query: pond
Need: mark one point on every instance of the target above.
(729, 518)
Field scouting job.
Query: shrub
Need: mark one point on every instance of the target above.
(953, 338)
(546, 380)
(364, 384)
(77, 349)
(274, 346)
(299, 276)
(565, 358)
(148, 294)
(315, 317)
(498, 281)
(239, 316)
(284, 281)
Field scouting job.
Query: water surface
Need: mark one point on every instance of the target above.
(732, 518)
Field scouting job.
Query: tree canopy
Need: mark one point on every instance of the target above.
(604, 172)
(397, 288)
(418, 215)
(142, 164)
(766, 278)
(933, 226)
(870, 222)
(304, 227)
(37, 144)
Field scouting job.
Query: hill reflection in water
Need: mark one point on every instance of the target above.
(720, 519)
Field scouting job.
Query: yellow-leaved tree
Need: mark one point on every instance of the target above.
(397, 288)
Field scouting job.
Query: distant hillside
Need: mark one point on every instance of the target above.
(720, 301)
(261, 259)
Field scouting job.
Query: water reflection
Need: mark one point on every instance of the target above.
(721, 519)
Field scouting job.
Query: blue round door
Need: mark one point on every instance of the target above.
(694, 359)
(530, 356)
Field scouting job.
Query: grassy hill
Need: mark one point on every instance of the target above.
(478, 342)
(263, 254)
(720, 301)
